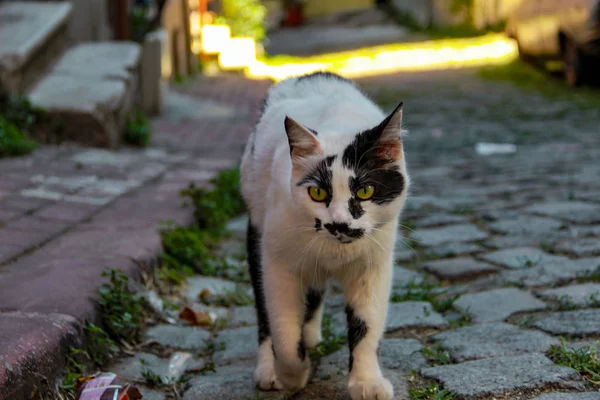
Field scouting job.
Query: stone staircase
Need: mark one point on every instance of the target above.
(89, 88)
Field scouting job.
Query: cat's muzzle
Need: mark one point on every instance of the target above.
(343, 233)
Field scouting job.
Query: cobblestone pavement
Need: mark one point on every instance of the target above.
(499, 258)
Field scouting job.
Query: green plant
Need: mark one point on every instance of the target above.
(99, 347)
(238, 297)
(436, 355)
(73, 370)
(121, 309)
(213, 208)
(590, 275)
(244, 17)
(430, 392)
(331, 341)
(565, 303)
(425, 291)
(584, 359)
(13, 141)
(138, 132)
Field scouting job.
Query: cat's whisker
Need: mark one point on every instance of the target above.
(406, 227)
(375, 241)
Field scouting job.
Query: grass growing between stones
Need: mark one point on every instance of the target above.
(13, 141)
(331, 342)
(18, 120)
(426, 291)
(590, 276)
(121, 309)
(584, 359)
(427, 390)
(436, 355)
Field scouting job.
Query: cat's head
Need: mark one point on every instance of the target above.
(349, 191)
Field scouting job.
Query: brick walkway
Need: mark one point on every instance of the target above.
(67, 213)
(505, 236)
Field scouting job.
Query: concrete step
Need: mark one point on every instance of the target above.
(32, 36)
(92, 89)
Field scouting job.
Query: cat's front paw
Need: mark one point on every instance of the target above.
(266, 378)
(372, 389)
(293, 377)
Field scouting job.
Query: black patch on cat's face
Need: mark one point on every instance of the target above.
(324, 74)
(354, 205)
(321, 176)
(336, 228)
(318, 225)
(370, 168)
(357, 330)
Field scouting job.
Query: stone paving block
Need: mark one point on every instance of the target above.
(233, 382)
(581, 295)
(521, 257)
(569, 396)
(335, 387)
(401, 354)
(411, 314)
(33, 223)
(243, 316)
(526, 225)
(452, 233)
(493, 340)
(497, 304)
(215, 286)
(440, 219)
(579, 323)
(551, 274)
(507, 242)
(239, 344)
(458, 268)
(580, 247)
(178, 337)
(502, 375)
(404, 276)
(454, 249)
(169, 369)
(572, 211)
(67, 212)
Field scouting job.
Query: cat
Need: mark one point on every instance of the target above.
(324, 179)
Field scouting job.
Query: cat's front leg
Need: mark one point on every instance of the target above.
(366, 308)
(286, 308)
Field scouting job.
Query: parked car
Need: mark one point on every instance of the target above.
(567, 30)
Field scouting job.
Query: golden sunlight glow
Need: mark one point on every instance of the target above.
(240, 53)
(215, 38)
(423, 56)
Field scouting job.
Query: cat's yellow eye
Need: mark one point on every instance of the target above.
(365, 192)
(317, 194)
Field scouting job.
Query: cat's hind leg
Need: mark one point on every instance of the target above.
(313, 317)
(264, 374)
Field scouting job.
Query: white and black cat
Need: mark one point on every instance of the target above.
(325, 181)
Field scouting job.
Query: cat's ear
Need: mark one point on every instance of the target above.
(303, 143)
(389, 141)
